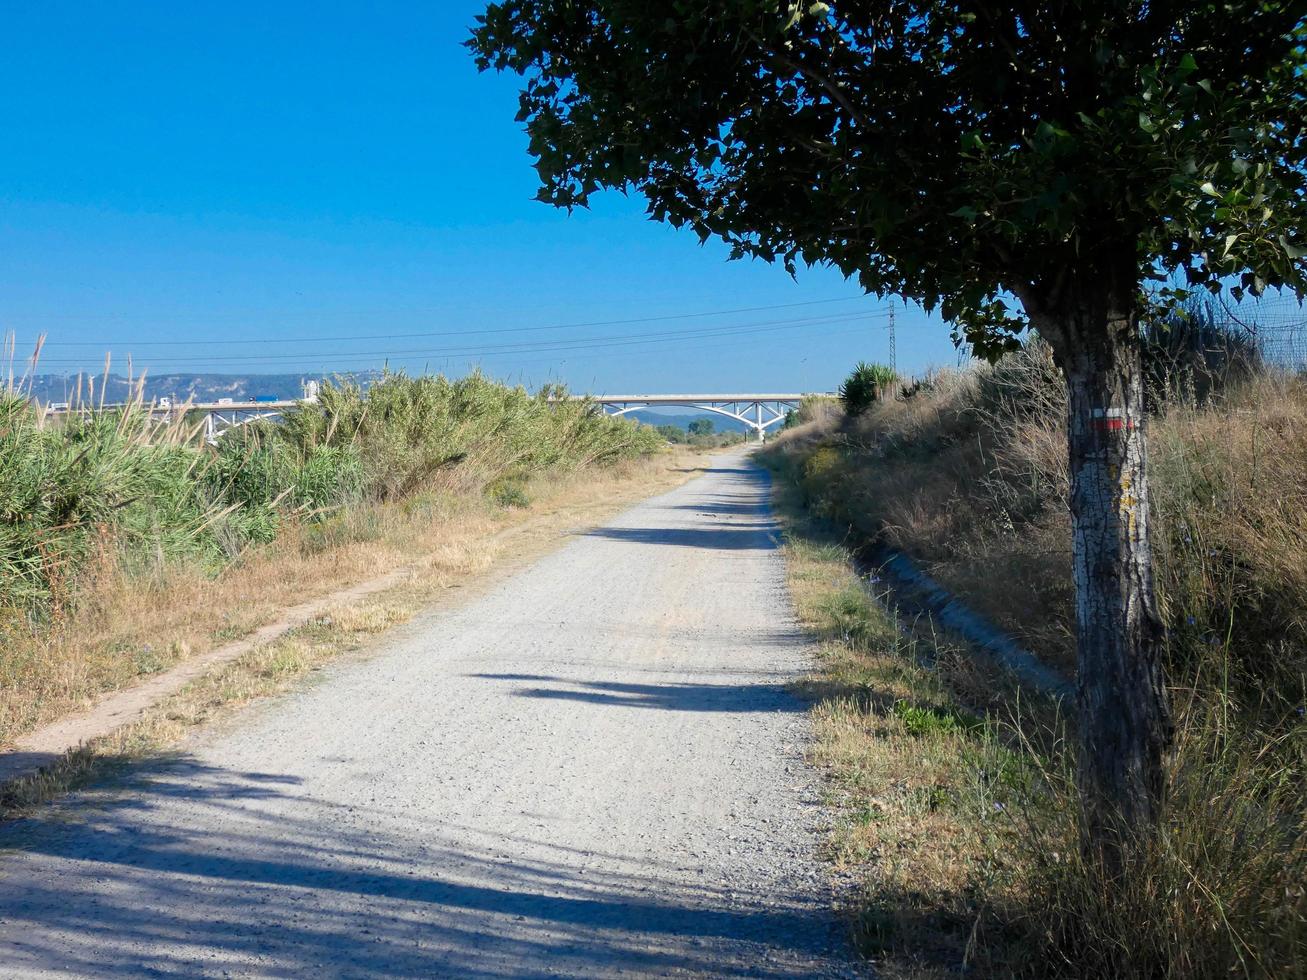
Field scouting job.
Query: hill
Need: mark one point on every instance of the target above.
(184, 387)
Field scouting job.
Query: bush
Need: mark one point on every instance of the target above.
(1194, 354)
(508, 493)
(72, 495)
(699, 439)
(265, 477)
(412, 433)
(813, 408)
(120, 489)
(865, 386)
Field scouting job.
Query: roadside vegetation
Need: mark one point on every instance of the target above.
(127, 544)
(957, 792)
(701, 434)
(866, 385)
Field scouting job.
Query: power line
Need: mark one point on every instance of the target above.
(400, 336)
(557, 346)
(525, 346)
(854, 327)
(450, 362)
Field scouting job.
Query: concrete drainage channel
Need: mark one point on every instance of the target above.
(916, 592)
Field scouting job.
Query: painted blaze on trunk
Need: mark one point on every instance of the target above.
(1124, 717)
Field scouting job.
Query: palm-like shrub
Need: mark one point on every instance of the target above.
(865, 386)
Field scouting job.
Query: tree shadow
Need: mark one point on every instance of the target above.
(198, 870)
(765, 696)
(734, 471)
(716, 538)
(725, 506)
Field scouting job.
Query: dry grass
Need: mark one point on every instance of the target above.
(130, 626)
(267, 670)
(969, 477)
(920, 781)
(968, 474)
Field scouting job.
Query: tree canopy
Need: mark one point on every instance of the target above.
(952, 152)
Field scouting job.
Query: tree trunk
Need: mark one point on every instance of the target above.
(1124, 717)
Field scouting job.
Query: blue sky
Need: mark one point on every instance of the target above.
(179, 179)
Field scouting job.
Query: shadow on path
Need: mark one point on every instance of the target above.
(744, 697)
(761, 538)
(288, 887)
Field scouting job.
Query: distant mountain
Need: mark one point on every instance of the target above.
(47, 388)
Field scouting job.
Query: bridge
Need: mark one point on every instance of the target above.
(219, 417)
(757, 411)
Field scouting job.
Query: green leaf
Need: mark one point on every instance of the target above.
(1291, 250)
(936, 112)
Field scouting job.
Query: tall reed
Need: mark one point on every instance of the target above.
(138, 490)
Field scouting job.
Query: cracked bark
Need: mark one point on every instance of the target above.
(1124, 717)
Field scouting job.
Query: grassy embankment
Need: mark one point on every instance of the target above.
(955, 791)
(127, 546)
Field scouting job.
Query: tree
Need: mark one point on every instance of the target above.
(1050, 165)
(700, 427)
(672, 433)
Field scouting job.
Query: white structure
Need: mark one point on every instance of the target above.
(758, 411)
(219, 417)
(227, 414)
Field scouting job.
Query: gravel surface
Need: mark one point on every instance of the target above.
(593, 769)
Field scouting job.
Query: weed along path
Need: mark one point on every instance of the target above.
(594, 768)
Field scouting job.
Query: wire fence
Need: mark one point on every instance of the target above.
(1282, 344)
(1276, 323)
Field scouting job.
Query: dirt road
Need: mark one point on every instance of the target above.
(593, 769)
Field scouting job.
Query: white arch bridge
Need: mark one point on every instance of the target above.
(216, 418)
(757, 411)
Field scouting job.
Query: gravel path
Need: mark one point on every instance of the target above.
(593, 769)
